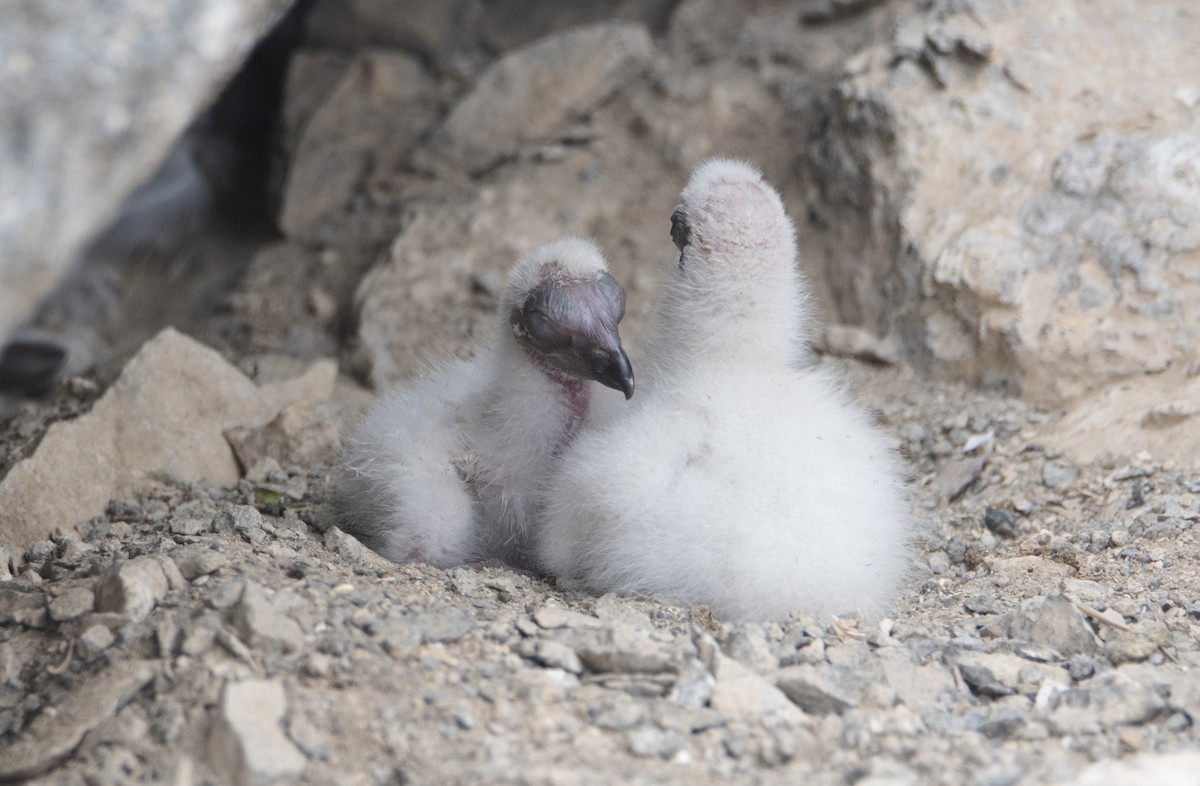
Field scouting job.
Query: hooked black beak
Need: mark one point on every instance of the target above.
(611, 368)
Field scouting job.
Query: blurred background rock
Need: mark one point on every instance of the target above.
(999, 192)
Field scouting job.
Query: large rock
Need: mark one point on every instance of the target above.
(164, 416)
(372, 114)
(92, 102)
(531, 93)
(1013, 190)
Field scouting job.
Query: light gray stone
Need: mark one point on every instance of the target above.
(132, 588)
(817, 690)
(1054, 623)
(741, 694)
(442, 626)
(72, 604)
(100, 98)
(198, 560)
(262, 621)
(552, 617)
(533, 92)
(370, 119)
(95, 640)
(246, 744)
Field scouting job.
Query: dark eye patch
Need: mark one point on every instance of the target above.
(681, 232)
(543, 331)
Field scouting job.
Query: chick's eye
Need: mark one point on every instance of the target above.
(680, 231)
(542, 330)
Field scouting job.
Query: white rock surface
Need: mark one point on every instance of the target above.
(247, 745)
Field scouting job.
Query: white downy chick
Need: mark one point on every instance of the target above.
(739, 479)
(450, 469)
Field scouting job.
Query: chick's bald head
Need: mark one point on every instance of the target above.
(731, 228)
(563, 308)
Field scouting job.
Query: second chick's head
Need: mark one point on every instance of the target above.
(731, 229)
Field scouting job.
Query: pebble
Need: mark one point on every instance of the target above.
(1001, 522)
(72, 604)
(442, 627)
(655, 742)
(198, 560)
(261, 621)
(246, 745)
(741, 694)
(244, 520)
(1058, 473)
(818, 691)
(133, 588)
(190, 525)
(554, 617)
(95, 640)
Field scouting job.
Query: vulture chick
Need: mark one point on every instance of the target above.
(739, 479)
(450, 468)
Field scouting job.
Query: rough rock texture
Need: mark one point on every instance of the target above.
(92, 103)
(1021, 182)
(1051, 632)
(247, 743)
(532, 93)
(164, 417)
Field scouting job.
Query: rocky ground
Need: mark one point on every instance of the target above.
(206, 624)
(200, 634)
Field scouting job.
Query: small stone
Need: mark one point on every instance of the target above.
(345, 546)
(94, 641)
(262, 623)
(1054, 623)
(72, 604)
(170, 570)
(443, 628)
(1057, 473)
(5, 568)
(133, 588)
(817, 691)
(556, 655)
(40, 551)
(748, 646)
(400, 640)
(1081, 667)
(223, 595)
(1001, 522)
(553, 617)
(939, 562)
(74, 551)
(199, 560)
(246, 745)
(310, 739)
(741, 694)
(983, 604)
(655, 742)
(245, 520)
(190, 525)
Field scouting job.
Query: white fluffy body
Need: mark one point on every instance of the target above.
(451, 467)
(735, 478)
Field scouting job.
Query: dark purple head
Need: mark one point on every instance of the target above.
(564, 309)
